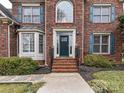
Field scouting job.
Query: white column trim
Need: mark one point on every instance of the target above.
(55, 40)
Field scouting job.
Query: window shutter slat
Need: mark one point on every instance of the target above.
(91, 14)
(112, 43)
(91, 42)
(20, 13)
(113, 14)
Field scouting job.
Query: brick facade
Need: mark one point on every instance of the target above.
(104, 27)
(4, 48)
(81, 23)
(50, 24)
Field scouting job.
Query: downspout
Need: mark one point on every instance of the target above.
(9, 38)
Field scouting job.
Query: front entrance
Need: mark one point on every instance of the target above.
(64, 41)
(64, 46)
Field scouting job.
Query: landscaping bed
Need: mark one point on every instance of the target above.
(86, 71)
(114, 81)
(20, 88)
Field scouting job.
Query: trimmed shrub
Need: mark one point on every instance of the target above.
(16, 66)
(99, 86)
(98, 61)
(121, 19)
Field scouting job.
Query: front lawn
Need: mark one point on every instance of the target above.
(114, 80)
(20, 88)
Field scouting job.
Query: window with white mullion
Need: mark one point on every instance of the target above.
(28, 42)
(101, 44)
(31, 14)
(101, 14)
(105, 12)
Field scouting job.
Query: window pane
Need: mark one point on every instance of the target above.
(27, 11)
(104, 48)
(28, 42)
(105, 10)
(36, 19)
(36, 11)
(105, 19)
(64, 12)
(96, 19)
(97, 10)
(31, 42)
(27, 19)
(31, 14)
(96, 49)
(105, 39)
(96, 39)
(40, 43)
(25, 42)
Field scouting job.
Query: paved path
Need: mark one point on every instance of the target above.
(64, 83)
(21, 78)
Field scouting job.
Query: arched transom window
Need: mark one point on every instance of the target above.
(64, 12)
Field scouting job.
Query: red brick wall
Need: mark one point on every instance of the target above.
(3, 40)
(109, 27)
(13, 41)
(15, 6)
(50, 24)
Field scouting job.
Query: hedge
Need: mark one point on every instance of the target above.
(98, 61)
(16, 66)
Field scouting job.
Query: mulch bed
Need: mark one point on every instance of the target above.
(86, 71)
(42, 70)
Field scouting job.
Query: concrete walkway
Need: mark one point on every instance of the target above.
(64, 83)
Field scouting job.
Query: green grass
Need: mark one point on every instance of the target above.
(20, 88)
(114, 80)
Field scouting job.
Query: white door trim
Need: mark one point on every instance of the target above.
(55, 40)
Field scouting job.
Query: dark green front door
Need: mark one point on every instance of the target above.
(64, 46)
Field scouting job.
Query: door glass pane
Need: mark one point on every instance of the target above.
(71, 41)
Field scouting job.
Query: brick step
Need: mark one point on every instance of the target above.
(64, 67)
(64, 70)
(60, 63)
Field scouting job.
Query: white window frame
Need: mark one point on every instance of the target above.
(101, 6)
(56, 20)
(34, 55)
(31, 7)
(29, 50)
(101, 43)
(42, 43)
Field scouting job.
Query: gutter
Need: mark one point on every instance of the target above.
(9, 38)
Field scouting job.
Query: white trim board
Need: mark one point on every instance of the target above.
(73, 32)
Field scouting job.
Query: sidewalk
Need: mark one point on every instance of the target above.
(64, 83)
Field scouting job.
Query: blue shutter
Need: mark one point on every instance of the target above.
(91, 13)
(91, 43)
(112, 43)
(42, 14)
(113, 14)
(20, 13)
